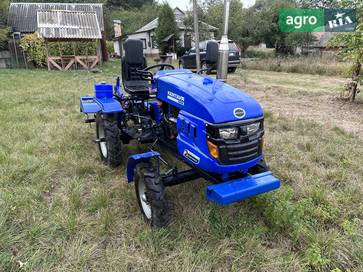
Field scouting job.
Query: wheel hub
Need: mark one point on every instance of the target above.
(143, 199)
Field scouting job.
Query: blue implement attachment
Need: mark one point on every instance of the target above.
(103, 101)
(240, 189)
(137, 158)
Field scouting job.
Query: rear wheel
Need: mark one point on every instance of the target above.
(151, 196)
(108, 140)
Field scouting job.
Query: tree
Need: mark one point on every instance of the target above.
(133, 19)
(351, 48)
(129, 4)
(317, 3)
(166, 26)
(268, 30)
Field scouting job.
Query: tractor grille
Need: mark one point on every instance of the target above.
(243, 149)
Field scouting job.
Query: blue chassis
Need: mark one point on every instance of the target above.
(225, 191)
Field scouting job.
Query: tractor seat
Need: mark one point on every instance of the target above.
(136, 86)
(134, 60)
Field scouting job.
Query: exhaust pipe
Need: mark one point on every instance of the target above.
(223, 50)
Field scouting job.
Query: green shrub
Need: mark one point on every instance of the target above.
(34, 48)
(110, 48)
(4, 33)
(72, 48)
(259, 53)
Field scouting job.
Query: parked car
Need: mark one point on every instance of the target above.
(188, 60)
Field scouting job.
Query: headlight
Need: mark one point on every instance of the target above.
(252, 128)
(228, 133)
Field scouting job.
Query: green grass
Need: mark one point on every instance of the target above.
(327, 65)
(290, 83)
(63, 210)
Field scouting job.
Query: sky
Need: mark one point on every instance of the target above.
(186, 4)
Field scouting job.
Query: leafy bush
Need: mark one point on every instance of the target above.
(72, 48)
(110, 48)
(4, 33)
(259, 53)
(34, 47)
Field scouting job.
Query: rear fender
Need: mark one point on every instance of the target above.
(137, 158)
(103, 101)
(104, 105)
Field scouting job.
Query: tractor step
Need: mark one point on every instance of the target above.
(240, 189)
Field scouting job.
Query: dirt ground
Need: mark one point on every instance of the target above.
(321, 106)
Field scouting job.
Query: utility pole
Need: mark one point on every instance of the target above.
(223, 46)
(196, 33)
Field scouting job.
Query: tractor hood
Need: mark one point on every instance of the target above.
(205, 98)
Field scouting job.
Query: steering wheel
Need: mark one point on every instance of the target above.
(146, 74)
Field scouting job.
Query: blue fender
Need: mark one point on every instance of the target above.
(105, 105)
(103, 101)
(137, 158)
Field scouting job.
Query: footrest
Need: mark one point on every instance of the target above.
(240, 189)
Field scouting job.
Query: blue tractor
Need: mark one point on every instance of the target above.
(214, 128)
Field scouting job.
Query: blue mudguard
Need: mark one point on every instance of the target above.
(137, 158)
(240, 189)
(103, 100)
(105, 105)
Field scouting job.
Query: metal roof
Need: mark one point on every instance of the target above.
(61, 24)
(179, 18)
(23, 16)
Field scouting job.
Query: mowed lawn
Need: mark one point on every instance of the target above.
(61, 209)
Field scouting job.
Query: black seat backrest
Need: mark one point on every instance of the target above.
(133, 60)
(211, 54)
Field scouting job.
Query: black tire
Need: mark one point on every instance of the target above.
(232, 70)
(110, 135)
(151, 196)
(259, 168)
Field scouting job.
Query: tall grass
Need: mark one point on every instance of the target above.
(305, 65)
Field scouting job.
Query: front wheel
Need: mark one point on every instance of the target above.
(108, 140)
(151, 197)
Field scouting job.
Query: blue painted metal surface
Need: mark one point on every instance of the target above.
(197, 145)
(207, 98)
(155, 111)
(237, 190)
(105, 105)
(137, 158)
(88, 105)
(103, 90)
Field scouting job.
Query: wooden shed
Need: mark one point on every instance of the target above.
(62, 22)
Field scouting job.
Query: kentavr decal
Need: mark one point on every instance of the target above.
(176, 98)
(190, 156)
(239, 113)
